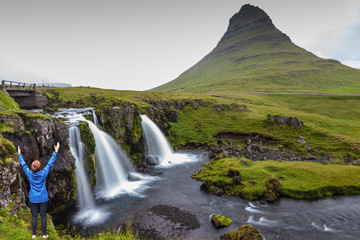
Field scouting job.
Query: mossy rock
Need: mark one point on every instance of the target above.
(245, 232)
(272, 192)
(220, 221)
(89, 157)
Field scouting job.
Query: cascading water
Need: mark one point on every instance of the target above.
(85, 197)
(88, 212)
(96, 121)
(113, 166)
(156, 142)
(158, 145)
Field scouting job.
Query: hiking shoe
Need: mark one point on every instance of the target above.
(33, 237)
(45, 236)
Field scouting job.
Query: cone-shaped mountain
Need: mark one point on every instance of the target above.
(253, 55)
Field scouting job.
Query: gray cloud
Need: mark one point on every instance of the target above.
(142, 44)
(347, 48)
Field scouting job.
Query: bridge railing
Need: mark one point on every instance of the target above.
(17, 85)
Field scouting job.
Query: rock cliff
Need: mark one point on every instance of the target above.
(36, 135)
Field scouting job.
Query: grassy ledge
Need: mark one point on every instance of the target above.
(297, 179)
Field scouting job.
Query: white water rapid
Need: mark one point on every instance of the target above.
(158, 145)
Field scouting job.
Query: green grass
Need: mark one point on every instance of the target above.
(328, 126)
(6, 102)
(298, 179)
(19, 227)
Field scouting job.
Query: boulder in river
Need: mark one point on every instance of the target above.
(133, 177)
(206, 186)
(220, 221)
(151, 160)
(245, 232)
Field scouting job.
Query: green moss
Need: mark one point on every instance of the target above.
(89, 157)
(249, 232)
(7, 103)
(297, 179)
(8, 160)
(221, 221)
(68, 195)
(245, 232)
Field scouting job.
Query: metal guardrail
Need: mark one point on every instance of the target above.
(17, 85)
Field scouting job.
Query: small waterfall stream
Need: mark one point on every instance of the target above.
(85, 197)
(158, 145)
(155, 140)
(112, 166)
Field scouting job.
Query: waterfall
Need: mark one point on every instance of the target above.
(113, 168)
(158, 145)
(156, 142)
(88, 213)
(85, 198)
(96, 121)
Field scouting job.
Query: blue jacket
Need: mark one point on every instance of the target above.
(38, 193)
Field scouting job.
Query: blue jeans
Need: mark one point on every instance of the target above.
(35, 209)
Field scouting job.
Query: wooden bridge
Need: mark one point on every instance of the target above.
(24, 94)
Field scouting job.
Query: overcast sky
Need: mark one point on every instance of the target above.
(138, 45)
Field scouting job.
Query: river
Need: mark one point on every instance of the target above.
(329, 218)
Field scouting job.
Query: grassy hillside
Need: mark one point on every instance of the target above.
(254, 55)
(329, 127)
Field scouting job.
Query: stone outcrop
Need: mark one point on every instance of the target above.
(258, 148)
(89, 152)
(252, 19)
(36, 137)
(272, 191)
(220, 221)
(245, 232)
(293, 121)
(10, 185)
(123, 123)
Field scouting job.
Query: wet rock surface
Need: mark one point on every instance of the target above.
(36, 138)
(220, 221)
(167, 222)
(186, 220)
(151, 160)
(245, 232)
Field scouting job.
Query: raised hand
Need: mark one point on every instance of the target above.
(19, 150)
(57, 147)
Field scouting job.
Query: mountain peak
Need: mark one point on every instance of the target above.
(252, 20)
(253, 55)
